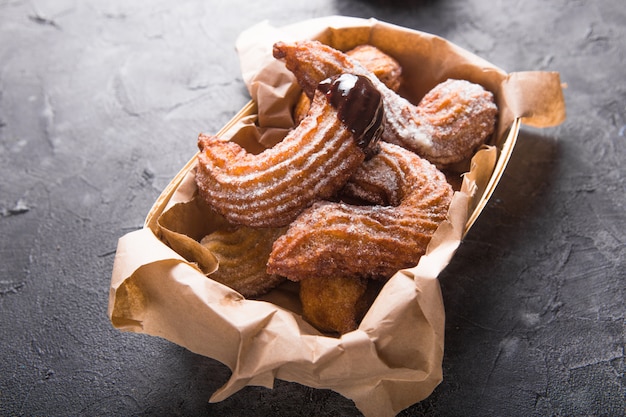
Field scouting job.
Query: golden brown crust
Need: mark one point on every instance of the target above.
(443, 141)
(383, 66)
(270, 189)
(242, 253)
(378, 181)
(301, 108)
(339, 239)
(312, 62)
(333, 304)
(460, 115)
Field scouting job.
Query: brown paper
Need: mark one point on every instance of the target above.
(393, 359)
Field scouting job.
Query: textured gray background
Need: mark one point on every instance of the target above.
(100, 105)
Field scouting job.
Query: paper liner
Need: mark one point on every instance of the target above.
(393, 359)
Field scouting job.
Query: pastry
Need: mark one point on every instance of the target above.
(446, 128)
(383, 66)
(457, 116)
(368, 241)
(313, 162)
(242, 253)
(377, 182)
(334, 304)
(301, 108)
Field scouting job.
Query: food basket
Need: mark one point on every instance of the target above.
(160, 286)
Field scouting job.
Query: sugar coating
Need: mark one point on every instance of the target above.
(368, 241)
(270, 189)
(445, 128)
(242, 253)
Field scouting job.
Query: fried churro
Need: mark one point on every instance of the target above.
(242, 253)
(383, 66)
(372, 241)
(453, 120)
(334, 304)
(313, 161)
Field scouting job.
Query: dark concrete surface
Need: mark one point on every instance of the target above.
(100, 105)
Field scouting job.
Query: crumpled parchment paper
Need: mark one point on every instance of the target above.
(160, 287)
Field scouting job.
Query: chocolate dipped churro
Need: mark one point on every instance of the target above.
(313, 161)
(453, 120)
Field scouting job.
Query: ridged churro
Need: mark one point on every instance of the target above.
(371, 241)
(383, 66)
(334, 304)
(446, 128)
(313, 161)
(242, 253)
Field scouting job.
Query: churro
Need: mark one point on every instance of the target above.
(313, 161)
(453, 120)
(367, 241)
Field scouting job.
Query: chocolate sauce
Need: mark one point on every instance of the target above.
(359, 105)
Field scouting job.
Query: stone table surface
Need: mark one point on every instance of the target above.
(100, 106)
